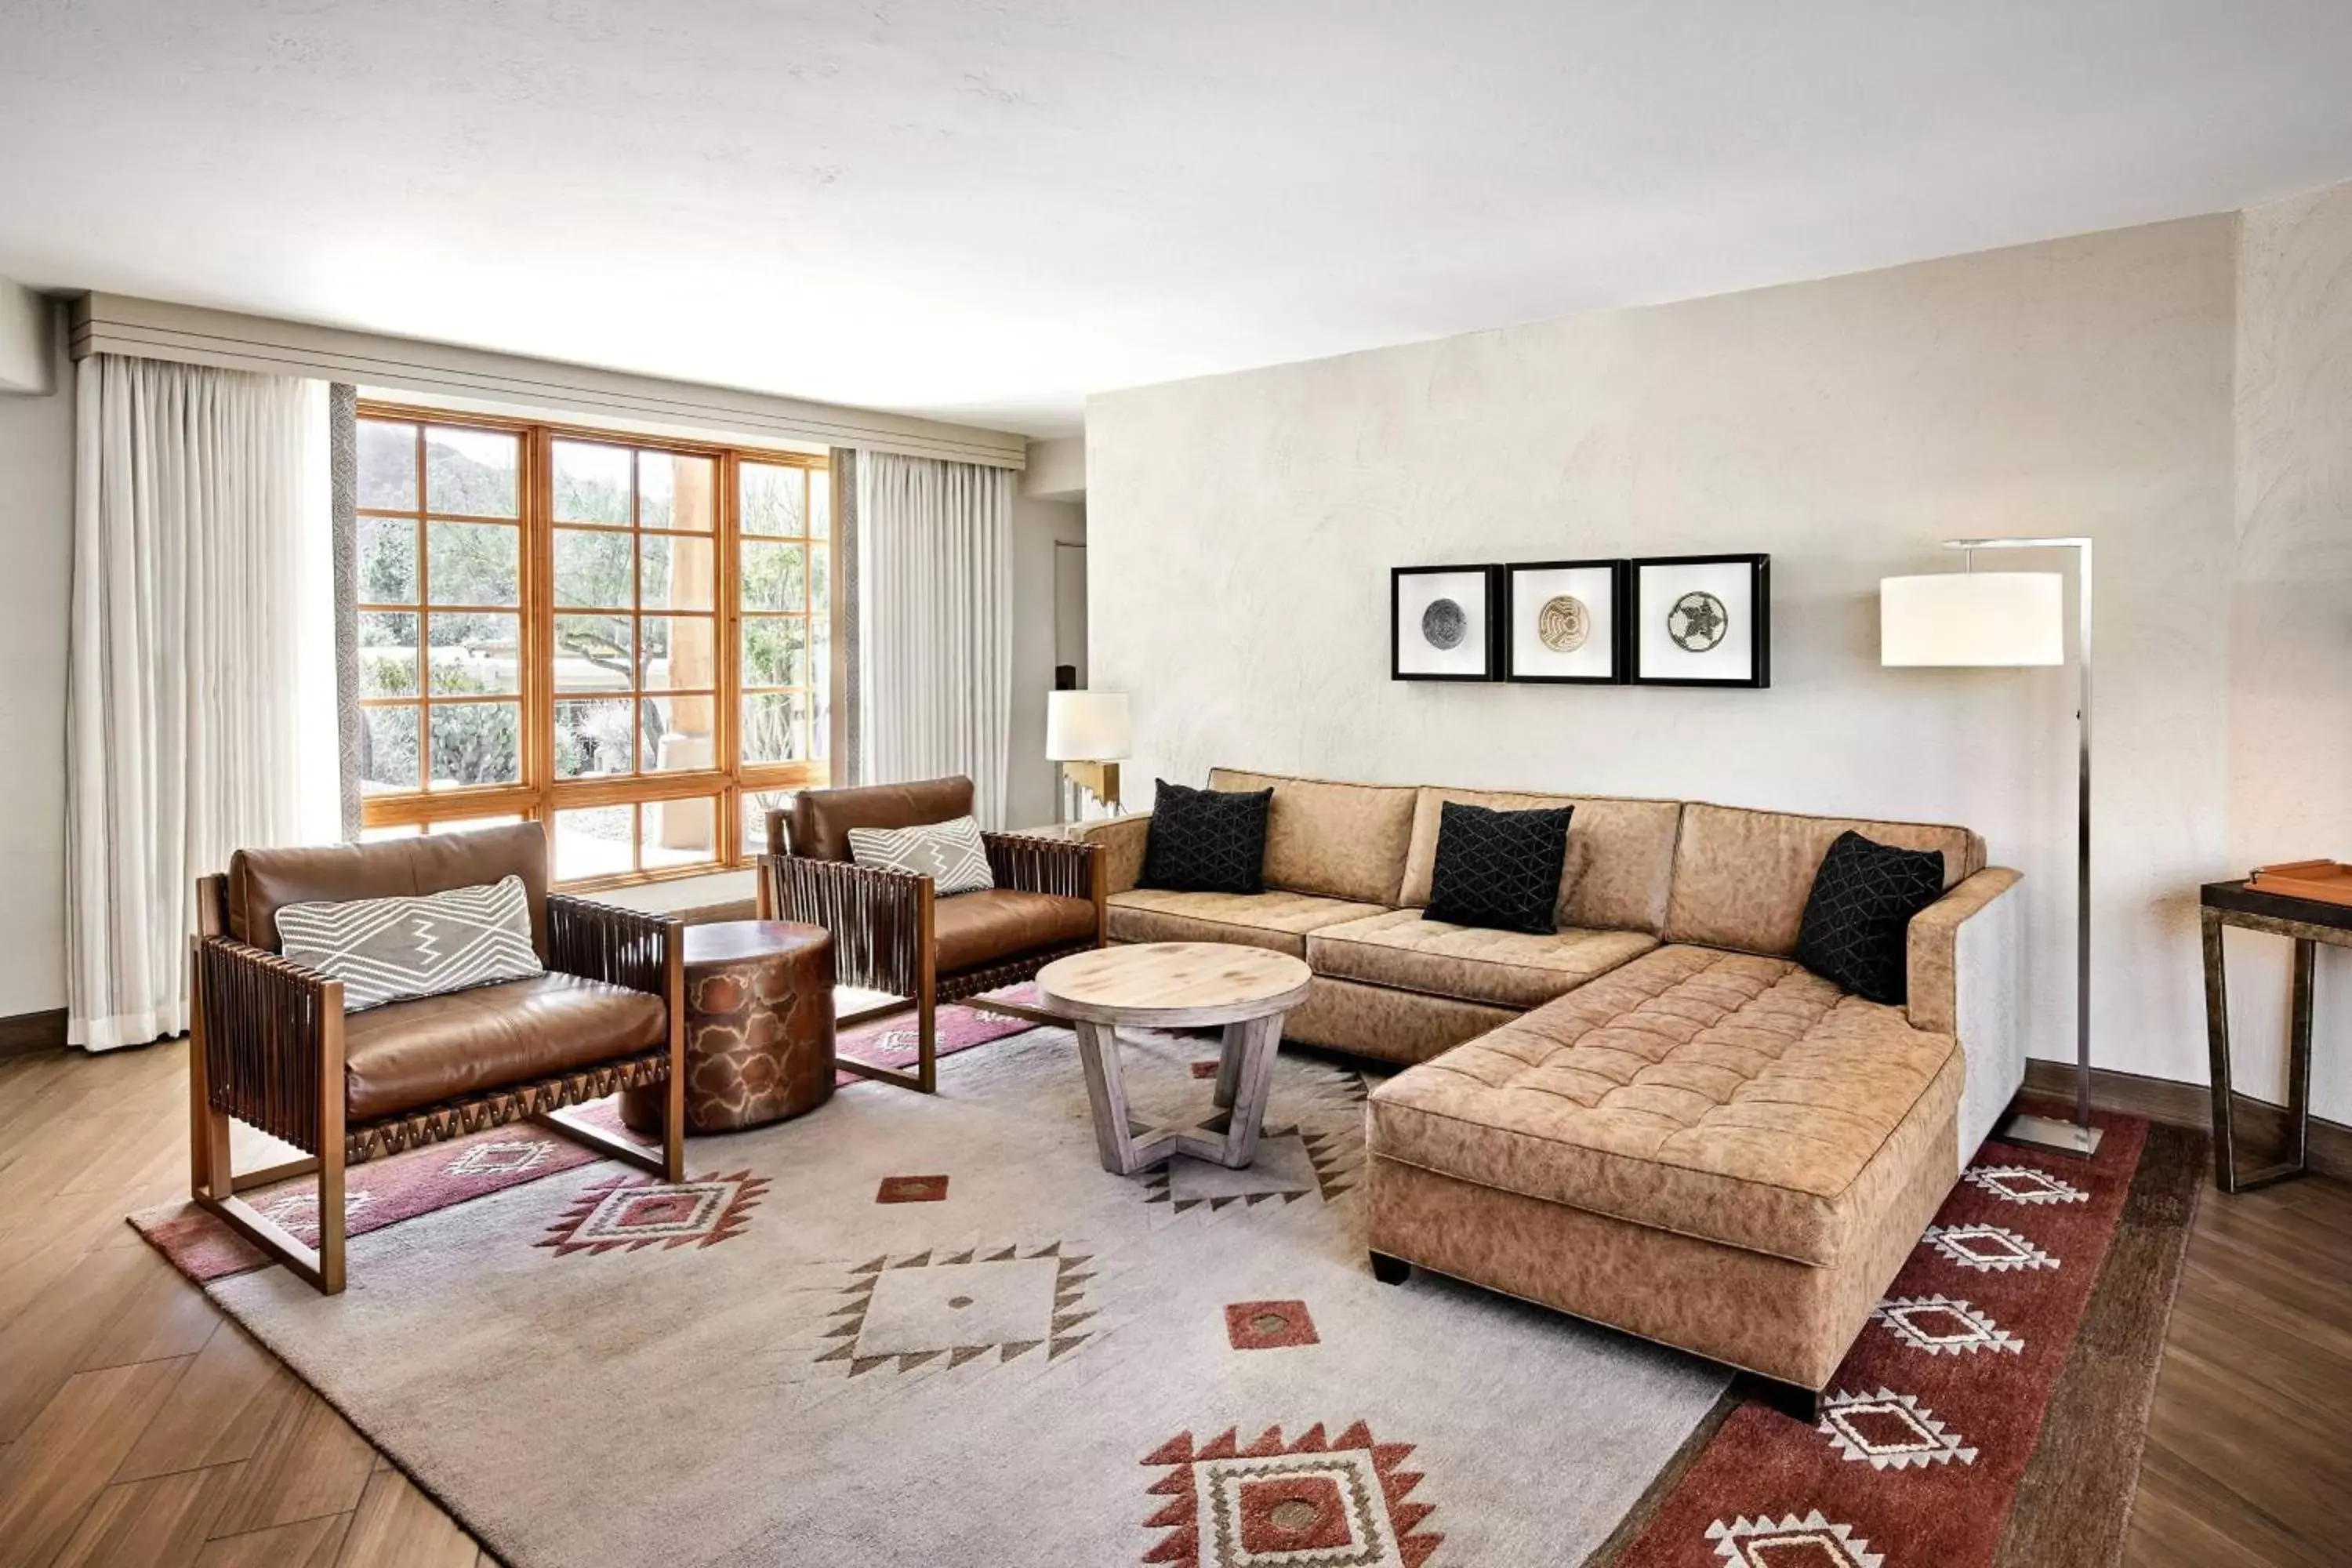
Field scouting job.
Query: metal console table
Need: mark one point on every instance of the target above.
(2307, 923)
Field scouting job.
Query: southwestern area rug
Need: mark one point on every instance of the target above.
(933, 1331)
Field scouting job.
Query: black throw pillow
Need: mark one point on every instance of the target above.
(1206, 840)
(1857, 920)
(1499, 870)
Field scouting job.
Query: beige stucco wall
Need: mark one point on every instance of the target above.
(1242, 527)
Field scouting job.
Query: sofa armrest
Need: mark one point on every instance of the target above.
(263, 1024)
(1966, 961)
(1121, 840)
(880, 920)
(604, 942)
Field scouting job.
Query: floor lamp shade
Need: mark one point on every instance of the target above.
(1087, 727)
(1972, 619)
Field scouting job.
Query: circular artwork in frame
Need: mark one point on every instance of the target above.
(1444, 625)
(1563, 624)
(1698, 621)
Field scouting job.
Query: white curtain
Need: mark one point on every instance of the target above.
(197, 718)
(935, 603)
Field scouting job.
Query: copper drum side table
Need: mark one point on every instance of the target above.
(759, 1027)
(1177, 986)
(2307, 923)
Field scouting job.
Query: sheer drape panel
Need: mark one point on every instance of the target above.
(192, 552)
(935, 591)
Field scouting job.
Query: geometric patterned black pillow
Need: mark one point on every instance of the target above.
(1859, 914)
(1206, 840)
(1499, 870)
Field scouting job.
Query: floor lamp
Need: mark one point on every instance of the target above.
(1090, 734)
(1982, 619)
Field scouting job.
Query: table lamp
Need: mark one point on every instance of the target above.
(1987, 620)
(1087, 732)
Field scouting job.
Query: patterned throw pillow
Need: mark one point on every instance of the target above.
(390, 950)
(1206, 840)
(1858, 918)
(1499, 870)
(951, 854)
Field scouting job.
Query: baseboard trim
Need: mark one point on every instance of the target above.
(30, 1034)
(2261, 1126)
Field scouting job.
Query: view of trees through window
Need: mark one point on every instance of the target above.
(628, 640)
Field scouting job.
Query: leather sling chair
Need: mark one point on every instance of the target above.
(892, 933)
(270, 1044)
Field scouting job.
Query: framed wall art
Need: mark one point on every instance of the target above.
(1442, 623)
(1702, 620)
(1564, 622)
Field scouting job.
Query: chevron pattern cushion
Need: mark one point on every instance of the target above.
(951, 854)
(390, 950)
(1499, 869)
(1206, 840)
(1858, 918)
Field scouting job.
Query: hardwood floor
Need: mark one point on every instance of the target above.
(140, 1426)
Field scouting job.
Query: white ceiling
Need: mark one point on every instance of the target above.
(985, 211)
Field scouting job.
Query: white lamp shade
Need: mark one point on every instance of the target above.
(1087, 727)
(1972, 618)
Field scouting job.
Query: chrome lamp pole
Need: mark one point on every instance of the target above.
(2078, 1136)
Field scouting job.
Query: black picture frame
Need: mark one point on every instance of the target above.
(1490, 578)
(1620, 622)
(1653, 671)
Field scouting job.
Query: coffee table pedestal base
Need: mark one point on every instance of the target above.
(1244, 1072)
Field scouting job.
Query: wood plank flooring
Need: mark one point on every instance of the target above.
(140, 1426)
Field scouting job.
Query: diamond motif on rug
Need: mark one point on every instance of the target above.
(1987, 1248)
(2024, 1184)
(638, 1212)
(1892, 1431)
(909, 1312)
(504, 1158)
(1811, 1541)
(299, 1212)
(1269, 1325)
(1315, 1503)
(1942, 1326)
(1291, 1163)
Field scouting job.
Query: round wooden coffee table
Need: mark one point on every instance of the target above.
(1177, 986)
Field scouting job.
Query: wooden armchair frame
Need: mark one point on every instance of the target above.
(265, 1046)
(883, 932)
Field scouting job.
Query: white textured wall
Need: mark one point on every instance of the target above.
(2291, 626)
(1241, 530)
(37, 461)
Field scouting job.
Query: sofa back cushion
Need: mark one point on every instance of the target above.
(1621, 855)
(262, 881)
(1742, 878)
(1340, 840)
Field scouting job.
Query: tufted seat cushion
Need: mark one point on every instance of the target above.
(1734, 1099)
(1273, 919)
(1472, 964)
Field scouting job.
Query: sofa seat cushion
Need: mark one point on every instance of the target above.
(1403, 949)
(405, 1054)
(971, 930)
(1275, 918)
(1734, 1099)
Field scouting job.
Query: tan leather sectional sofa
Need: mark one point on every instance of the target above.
(1652, 1118)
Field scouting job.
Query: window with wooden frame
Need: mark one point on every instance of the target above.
(627, 639)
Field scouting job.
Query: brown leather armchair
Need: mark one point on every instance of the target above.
(270, 1046)
(892, 933)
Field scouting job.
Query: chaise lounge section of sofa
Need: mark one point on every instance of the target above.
(1652, 1116)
